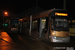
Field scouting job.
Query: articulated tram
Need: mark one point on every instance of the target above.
(52, 25)
(15, 25)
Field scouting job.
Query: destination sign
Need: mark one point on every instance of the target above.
(61, 14)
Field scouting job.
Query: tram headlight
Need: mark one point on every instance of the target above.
(54, 37)
(53, 33)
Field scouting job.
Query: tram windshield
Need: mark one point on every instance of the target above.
(14, 25)
(61, 24)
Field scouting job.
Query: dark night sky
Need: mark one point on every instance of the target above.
(18, 6)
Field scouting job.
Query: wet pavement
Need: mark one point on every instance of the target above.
(6, 43)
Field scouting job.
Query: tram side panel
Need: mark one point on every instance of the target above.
(26, 26)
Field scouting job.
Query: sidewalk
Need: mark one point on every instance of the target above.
(6, 43)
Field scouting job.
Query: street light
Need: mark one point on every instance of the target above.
(5, 14)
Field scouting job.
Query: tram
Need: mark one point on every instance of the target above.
(51, 24)
(14, 25)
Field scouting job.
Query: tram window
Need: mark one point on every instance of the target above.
(28, 25)
(15, 25)
(43, 23)
(35, 24)
(52, 26)
(24, 25)
(61, 23)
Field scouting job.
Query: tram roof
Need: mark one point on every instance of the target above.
(47, 12)
(44, 13)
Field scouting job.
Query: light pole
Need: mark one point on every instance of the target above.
(64, 4)
(5, 14)
(36, 7)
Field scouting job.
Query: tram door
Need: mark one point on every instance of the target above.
(42, 28)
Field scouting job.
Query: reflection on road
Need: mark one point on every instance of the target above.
(19, 37)
(6, 37)
(6, 43)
